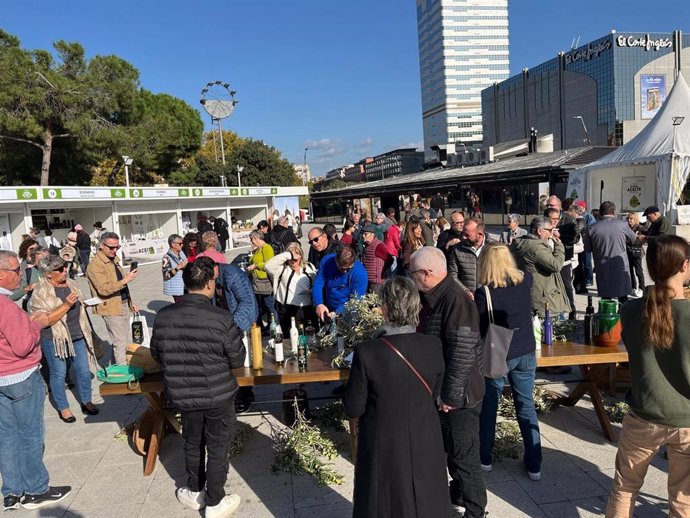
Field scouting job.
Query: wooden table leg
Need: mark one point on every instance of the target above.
(593, 374)
(156, 416)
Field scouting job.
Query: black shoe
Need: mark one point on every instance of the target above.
(12, 502)
(70, 419)
(54, 495)
(89, 411)
(242, 406)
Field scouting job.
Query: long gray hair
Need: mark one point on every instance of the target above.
(402, 302)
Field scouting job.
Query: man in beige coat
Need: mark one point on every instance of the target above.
(109, 283)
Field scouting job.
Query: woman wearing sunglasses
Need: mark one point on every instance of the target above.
(67, 340)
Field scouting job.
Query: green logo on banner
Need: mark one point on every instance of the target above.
(117, 193)
(183, 192)
(233, 192)
(136, 193)
(245, 192)
(52, 194)
(27, 194)
(274, 190)
(197, 192)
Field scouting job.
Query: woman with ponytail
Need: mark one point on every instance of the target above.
(656, 332)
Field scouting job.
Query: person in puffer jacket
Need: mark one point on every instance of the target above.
(198, 345)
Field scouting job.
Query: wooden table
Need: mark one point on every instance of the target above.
(150, 429)
(594, 362)
(596, 365)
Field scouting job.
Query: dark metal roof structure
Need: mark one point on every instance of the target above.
(535, 166)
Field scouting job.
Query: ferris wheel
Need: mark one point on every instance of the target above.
(218, 100)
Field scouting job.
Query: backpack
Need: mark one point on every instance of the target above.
(277, 243)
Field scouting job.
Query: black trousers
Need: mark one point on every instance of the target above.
(636, 271)
(460, 429)
(567, 276)
(302, 314)
(208, 433)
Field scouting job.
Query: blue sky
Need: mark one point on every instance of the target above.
(340, 77)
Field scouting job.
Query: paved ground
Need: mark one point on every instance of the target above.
(107, 477)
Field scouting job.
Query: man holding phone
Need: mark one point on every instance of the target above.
(108, 282)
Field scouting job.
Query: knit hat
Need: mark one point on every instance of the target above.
(78, 227)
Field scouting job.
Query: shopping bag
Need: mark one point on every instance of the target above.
(140, 330)
(496, 345)
(139, 356)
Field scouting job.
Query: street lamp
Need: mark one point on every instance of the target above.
(222, 181)
(589, 142)
(304, 167)
(239, 171)
(677, 121)
(128, 162)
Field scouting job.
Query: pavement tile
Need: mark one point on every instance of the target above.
(110, 486)
(342, 510)
(509, 499)
(109, 512)
(583, 508)
(72, 469)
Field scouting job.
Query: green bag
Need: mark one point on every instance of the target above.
(129, 374)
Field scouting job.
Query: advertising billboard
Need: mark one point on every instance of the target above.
(652, 94)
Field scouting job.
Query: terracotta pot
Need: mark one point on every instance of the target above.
(610, 338)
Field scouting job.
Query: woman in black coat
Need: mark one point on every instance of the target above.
(400, 468)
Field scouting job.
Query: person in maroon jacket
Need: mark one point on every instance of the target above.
(22, 399)
(376, 258)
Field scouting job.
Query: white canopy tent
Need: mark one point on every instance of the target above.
(661, 151)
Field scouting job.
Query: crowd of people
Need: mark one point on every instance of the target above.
(425, 415)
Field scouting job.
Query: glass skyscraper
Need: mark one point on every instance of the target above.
(463, 48)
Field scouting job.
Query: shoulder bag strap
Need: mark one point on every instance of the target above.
(416, 373)
(489, 304)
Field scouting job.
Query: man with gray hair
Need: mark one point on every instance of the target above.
(108, 282)
(22, 399)
(542, 254)
(449, 314)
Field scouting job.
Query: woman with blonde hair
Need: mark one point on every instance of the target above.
(292, 276)
(656, 332)
(510, 292)
(263, 289)
(67, 341)
(413, 241)
(635, 255)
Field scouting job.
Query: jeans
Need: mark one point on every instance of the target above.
(460, 429)
(266, 305)
(57, 369)
(521, 372)
(638, 444)
(586, 258)
(22, 432)
(208, 433)
(84, 256)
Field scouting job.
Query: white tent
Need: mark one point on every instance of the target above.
(661, 148)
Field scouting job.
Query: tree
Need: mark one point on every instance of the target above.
(263, 165)
(43, 99)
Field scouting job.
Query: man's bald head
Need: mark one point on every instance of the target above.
(554, 202)
(428, 267)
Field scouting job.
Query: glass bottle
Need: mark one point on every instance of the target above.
(310, 331)
(294, 336)
(589, 314)
(278, 346)
(548, 326)
(272, 328)
(303, 350)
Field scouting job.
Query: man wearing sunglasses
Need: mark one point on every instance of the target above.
(542, 254)
(22, 399)
(321, 246)
(108, 282)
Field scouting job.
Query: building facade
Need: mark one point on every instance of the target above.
(394, 163)
(463, 48)
(303, 172)
(601, 93)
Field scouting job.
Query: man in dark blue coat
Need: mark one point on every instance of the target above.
(198, 345)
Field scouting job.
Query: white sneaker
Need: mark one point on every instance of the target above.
(225, 508)
(534, 476)
(639, 293)
(487, 468)
(191, 499)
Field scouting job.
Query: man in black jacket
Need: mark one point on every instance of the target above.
(198, 345)
(565, 229)
(220, 227)
(449, 314)
(321, 245)
(282, 236)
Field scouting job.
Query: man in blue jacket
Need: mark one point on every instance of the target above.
(339, 277)
(237, 295)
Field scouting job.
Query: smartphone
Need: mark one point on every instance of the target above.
(133, 266)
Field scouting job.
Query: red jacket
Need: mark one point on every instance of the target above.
(20, 339)
(392, 241)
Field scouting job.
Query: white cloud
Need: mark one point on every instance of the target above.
(364, 146)
(322, 151)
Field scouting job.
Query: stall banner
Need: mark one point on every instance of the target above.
(210, 191)
(635, 194)
(652, 94)
(240, 237)
(577, 183)
(19, 194)
(145, 250)
(154, 193)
